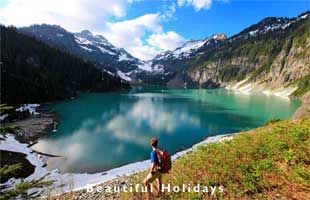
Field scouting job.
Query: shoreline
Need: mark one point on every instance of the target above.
(68, 182)
(35, 126)
(247, 87)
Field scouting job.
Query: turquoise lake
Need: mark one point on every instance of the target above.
(100, 131)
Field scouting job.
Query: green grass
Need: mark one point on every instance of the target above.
(21, 189)
(272, 161)
(4, 107)
(7, 129)
(7, 171)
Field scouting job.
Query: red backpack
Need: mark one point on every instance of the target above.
(164, 160)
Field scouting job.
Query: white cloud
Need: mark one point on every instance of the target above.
(73, 15)
(77, 15)
(197, 4)
(130, 126)
(143, 52)
(129, 33)
(131, 1)
(166, 41)
(169, 11)
(126, 33)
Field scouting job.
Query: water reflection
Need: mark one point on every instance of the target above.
(131, 126)
(101, 131)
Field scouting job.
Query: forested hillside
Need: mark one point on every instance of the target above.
(32, 71)
(90, 47)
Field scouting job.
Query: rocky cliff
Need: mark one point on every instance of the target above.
(271, 56)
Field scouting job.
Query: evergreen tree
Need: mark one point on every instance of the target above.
(32, 71)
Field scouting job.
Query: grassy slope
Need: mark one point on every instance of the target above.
(272, 161)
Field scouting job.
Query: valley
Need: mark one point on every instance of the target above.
(271, 55)
(77, 110)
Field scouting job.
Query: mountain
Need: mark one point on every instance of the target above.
(94, 48)
(173, 63)
(270, 55)
(32, 71)
(190, 49)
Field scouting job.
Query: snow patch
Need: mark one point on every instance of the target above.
(146, 66)
(303, 16)
(28, 107)
(273, 27)
(107, 71)
(104, 50)
(247, 88)
(2, 117)
(188, 48)
(86, 48)
(123, 76)
(235, 86)
(159, 68)
(267, 92)
(123, 57)
(286, 25)
(253, 33)
(11, 144)
(285, 92)
(82, 40)
(73, 181)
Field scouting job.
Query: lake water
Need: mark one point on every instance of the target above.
(98, 132)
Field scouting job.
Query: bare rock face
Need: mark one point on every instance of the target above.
(291, 64)
(304, 110)
(219, 36)
(273, 54)
(268, 59)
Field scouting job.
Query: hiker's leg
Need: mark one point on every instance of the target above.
(147, 185)
(159, 184)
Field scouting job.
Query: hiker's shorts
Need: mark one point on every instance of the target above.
(151, 177)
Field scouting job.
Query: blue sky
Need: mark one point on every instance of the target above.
(225, 17)
(146, 27)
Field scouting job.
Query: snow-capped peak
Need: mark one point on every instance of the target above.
(190, 47)
(90, 42)
(303, 16)
(219, 36)
(86, 32)
(271, 24)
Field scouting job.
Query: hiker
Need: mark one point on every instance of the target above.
(160, 164)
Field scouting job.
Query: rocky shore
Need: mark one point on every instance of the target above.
(303, 111)
(31, 122)
(126, 180)
(38, 125)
